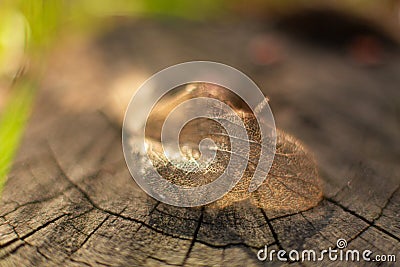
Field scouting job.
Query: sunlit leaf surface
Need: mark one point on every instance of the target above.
(292, 183)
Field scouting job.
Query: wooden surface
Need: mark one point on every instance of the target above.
(70, 201)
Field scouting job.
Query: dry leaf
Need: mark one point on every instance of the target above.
(292, 183)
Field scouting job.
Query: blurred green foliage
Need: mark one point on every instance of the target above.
(29, 27)
(26, 27)
(12, 122)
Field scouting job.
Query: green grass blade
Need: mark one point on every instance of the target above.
(12, 122)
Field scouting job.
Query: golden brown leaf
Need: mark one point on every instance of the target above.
(292, 183)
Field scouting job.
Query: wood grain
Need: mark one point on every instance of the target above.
(70, 200)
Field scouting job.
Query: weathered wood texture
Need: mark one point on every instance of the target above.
(70, 200)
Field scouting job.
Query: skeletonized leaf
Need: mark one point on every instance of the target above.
(292, 183)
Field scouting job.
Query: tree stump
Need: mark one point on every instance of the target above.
(69, 199)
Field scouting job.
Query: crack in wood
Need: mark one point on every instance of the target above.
(370, 223)
(271, 228)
